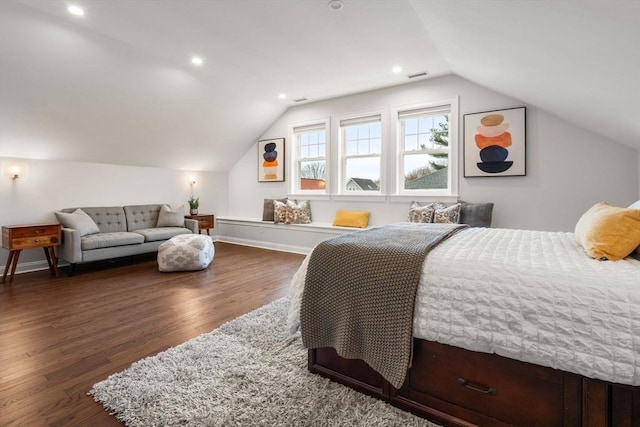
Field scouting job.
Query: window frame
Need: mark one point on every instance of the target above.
(391, 181)
(294, 169)
(340, 190)
(444, 194)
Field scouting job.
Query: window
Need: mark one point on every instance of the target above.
(361, 148)
(425, 147)
(310, 153)
(393, 154)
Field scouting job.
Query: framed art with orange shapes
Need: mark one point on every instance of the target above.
(271, 160)
(494, 143)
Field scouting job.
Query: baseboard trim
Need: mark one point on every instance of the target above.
(263, 245)
(28, 267)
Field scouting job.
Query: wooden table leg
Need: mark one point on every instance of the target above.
(8, 265)
(51, 259)
(13, 260)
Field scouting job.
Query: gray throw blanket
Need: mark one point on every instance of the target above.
(360, 290)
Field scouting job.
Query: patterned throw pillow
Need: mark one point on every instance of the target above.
(267, 208)
(300, 211)
(419, 213)
(282, 214)
(446, 215)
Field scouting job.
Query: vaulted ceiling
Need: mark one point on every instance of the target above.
(117, 86)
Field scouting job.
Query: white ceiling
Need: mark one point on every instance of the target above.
(116, 86)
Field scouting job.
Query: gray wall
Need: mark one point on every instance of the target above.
(568, 169)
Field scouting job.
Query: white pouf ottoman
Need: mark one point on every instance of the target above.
(186, 252)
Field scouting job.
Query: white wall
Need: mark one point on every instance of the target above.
(49, 185)
(568, 169)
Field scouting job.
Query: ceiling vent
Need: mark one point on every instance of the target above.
(300, 100)
(415, 76)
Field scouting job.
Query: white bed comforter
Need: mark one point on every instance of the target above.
(528, 295)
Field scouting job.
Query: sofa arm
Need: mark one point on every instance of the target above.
(192, 225)
(70, 248)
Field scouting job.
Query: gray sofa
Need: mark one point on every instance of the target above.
(121, 231)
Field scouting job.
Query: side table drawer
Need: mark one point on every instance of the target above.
(35, 231)
(204, 224)
(34, 242)
(18, 237)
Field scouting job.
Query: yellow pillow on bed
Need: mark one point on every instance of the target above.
(607, 232)
(356, 219)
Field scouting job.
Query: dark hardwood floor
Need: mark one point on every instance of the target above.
(59, 336)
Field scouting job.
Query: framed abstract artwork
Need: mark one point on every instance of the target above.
(271, 160)
(494, 143)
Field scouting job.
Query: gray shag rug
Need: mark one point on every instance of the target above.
(248, 372)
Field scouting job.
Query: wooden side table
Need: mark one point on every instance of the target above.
(15, 238)
(205, 221)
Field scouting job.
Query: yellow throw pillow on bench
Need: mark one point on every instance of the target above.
(607, 232)
(357, 219)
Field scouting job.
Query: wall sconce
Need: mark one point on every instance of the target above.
(14, 169)
(14, 172)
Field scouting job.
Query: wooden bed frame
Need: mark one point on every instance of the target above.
(461, 388)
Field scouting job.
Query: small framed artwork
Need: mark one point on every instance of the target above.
(494, 143)
(271, 160)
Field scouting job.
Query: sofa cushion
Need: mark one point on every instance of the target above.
(107, 240)
(109, 219)
(141, 216)
(161, 233)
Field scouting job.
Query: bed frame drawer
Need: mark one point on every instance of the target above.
(525, 394)
(489, 389)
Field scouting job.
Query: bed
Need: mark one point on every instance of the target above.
(511, 327)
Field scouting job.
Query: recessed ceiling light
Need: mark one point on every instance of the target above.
(282, 96)
(335, 5)
(397, 69)
(196, 60)
(75, 10)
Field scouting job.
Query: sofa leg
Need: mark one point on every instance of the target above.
(72, 269)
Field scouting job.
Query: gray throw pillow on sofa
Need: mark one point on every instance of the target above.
(171, 218)
(476, 214)
(78, 220)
